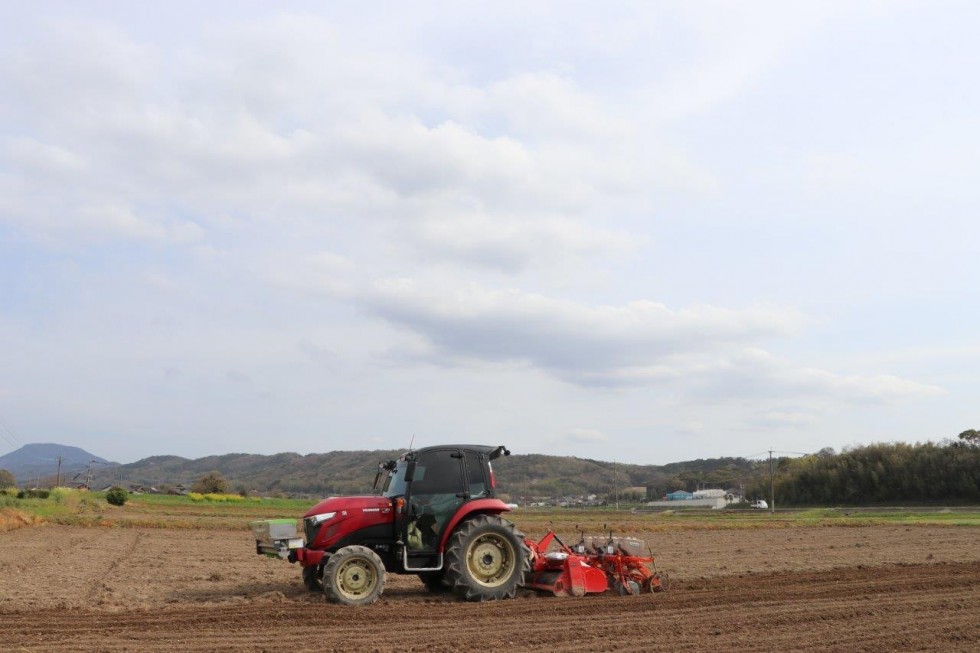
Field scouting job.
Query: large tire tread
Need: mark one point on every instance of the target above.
(457, 574)
(332, 589)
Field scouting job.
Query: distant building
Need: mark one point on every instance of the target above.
(709, 494)
(679, 495)
(713, 499)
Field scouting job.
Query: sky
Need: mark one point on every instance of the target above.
(645, 232)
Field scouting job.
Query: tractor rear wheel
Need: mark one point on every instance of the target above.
(311, 578)
(354, 575)
(486, 559)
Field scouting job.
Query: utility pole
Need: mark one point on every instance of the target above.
(772, 488)
(616, 482)
(57, 478)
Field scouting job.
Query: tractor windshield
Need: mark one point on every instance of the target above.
(394, 481)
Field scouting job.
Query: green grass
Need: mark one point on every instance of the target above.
(172, 511)
(71, 507)
(566, 520)
(174, 500)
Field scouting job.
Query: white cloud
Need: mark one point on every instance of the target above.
(756, 375)
(42, 159)
(215, 194)
(514, 242)
(299, 144)
(586, 435)
(323, 273)
(579, 343)
(700, 352)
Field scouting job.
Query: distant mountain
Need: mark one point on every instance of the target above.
(352, 472)
(36, 459)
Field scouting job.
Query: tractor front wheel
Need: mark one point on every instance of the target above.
(486, 559)
(354, 575)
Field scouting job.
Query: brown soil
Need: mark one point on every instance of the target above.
(846, 589)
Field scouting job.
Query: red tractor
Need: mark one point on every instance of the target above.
(437, 517)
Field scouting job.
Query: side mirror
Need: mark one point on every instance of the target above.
(383, 466)
(496, 453)
(410, 472)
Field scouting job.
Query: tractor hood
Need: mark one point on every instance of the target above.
(340, 505)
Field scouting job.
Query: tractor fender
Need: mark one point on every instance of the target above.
(467, 510)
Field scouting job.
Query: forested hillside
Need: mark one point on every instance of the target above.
(350, 472)
(873, 474)
(336, 472)
(551, 476)
(947, 472)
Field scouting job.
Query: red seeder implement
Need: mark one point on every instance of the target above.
(592, 566)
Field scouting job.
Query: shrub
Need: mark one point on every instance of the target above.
(222, 498)
(33, 494)
(211, 483)
(116, 495)
(64, 495)
(213, 497)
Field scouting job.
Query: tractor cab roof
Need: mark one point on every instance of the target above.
(490, 451)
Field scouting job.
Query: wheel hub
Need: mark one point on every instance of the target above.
(355, 579)
(490, 560)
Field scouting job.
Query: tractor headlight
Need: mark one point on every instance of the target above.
(316, 520)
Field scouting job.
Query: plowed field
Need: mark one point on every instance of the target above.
(845, 589)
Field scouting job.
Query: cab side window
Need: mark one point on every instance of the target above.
(437, 490)
(476, 483)
(437, 472)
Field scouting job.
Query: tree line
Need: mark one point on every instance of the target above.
(947, 472)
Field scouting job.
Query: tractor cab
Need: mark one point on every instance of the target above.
(428, 488)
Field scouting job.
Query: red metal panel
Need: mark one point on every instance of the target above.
(477, 506)
(352, 514)
(309, 557)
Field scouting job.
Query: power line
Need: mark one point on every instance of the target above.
(763, 454)
(7, 439)
(9, 434)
